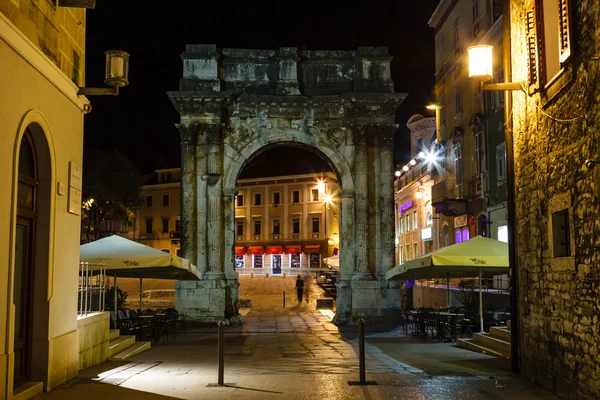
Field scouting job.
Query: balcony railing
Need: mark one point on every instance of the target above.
(174, 235)
(283, 237)
(92, 288)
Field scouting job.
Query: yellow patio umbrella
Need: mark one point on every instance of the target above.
(479, 256)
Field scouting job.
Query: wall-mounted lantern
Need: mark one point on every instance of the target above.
(480, 68)
(116, 75)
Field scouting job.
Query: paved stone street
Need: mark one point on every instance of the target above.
(298, 353)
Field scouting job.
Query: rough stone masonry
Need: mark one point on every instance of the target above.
(234, 103)
(556, 128)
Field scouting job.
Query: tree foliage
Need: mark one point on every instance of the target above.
(111, 190)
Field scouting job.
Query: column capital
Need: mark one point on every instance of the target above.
(188, 133)
(386, 133)
(212, 132)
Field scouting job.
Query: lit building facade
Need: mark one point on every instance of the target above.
(555, 123)
(42, 53)
(417, 232)
(157, 221)
(471, 124)
(285, 223)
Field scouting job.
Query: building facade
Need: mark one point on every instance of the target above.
(556, 121)
(470, 126)
(416, 232)
(42, 53)
(286, 224)
(157, 222)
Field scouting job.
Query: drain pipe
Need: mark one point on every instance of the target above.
(510, 201)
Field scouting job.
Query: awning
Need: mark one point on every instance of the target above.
(312, 249)
(293, 249)
(256, 250)
(240, 250)
(274, 249)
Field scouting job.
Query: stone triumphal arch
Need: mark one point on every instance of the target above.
(234, 103)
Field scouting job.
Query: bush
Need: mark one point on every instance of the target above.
(109, 303)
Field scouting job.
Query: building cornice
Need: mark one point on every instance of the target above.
(440, 13)
(32, 55)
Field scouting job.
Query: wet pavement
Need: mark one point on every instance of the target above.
(297, 353)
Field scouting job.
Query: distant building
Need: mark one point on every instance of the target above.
(417, 233)
(282, 223)
(286, 223)
(469, 190)
(42, 53)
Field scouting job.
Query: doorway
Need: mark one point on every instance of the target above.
(23, 296)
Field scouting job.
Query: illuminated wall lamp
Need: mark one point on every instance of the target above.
(438, 134)
(116, 75)
(480, 68)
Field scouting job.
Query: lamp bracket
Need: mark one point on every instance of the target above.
(85, 91)
(502, 86)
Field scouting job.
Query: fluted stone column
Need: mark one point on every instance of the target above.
(361, 269)
(188, 192)
(386, 190)
(214, 209)
(343, 314)
(229, 234)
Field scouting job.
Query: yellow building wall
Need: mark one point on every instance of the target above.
(34, 89)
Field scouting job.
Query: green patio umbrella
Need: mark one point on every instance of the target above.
(477, 257)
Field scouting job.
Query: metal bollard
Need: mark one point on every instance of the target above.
(361, 350)
(221, 353)
(284, 299)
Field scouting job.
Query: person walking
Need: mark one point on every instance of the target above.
(299, 288)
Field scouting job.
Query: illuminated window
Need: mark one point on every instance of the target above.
(314, 193)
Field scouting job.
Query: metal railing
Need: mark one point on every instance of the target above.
(91, 292)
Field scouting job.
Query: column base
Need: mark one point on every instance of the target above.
(376, 302)
(213, 299)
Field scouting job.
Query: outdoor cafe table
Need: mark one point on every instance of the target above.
(452, 323)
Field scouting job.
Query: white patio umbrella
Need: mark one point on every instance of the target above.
(479, 256)
(333, 262)
(129, 259)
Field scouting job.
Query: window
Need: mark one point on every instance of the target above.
(165, 177)
(257, 227)
(75, 68)
(457, 101)
(315, 225)
(445, 236)
(165, 200)
(457, 237)
(457, 155)
(478, 152)
(314, 260)
(296, 226)
(482, 228)
(257, 261)
(149, 225)
(239, 228)
(429, 211)
(475, 9)
(415, 221)
(239, 261)
(178, 252)
(561, 236)
(442, 112)
(165, 225)
(498, 95)
(240, 200)
(149, 201)
(465, 235)
(108, 225)
(276, 198)
(276, 227)
(503, 233)
(400, 224)
(455, 32)
(295, 260)
(295, 196)
(501, 162)
(407, 222)
(549, 21)
(314, 194)
(177, 225)
(420, 146)
(415, 246)
(257, 199)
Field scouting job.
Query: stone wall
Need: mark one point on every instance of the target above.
(555, 131)
(94, 333)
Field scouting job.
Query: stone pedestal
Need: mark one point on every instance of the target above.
(209, 300)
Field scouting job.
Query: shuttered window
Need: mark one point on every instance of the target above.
(548, 36)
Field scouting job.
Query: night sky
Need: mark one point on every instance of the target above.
(140, 122)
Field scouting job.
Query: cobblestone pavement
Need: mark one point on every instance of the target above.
(297, 353)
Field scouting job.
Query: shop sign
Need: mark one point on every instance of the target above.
(426, 233)
(460, 221)
(405, 207)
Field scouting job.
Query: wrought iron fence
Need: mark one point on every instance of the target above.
(92, 288)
